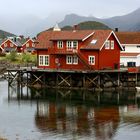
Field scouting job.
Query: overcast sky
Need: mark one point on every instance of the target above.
(43, 8)
(29, 17)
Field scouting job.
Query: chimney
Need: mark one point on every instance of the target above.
(21, 36)
(116, 29)
(15, 39)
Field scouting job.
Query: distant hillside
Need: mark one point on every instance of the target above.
(88, 25)
(4, 34)
(129, 22)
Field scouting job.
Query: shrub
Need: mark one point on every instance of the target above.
(27, 58)
(12, 56)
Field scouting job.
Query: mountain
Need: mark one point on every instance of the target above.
(129, 22)
(31, 25)
(73, 19)
(4, 34)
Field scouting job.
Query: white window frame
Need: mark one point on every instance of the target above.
(76, 46)
(75, 60)
(33, 45)
(11, 45)
(71, 45)
(107, 45)
(27, 45)
(60, 44)
(91, 60)
(112, 44)
(44, 60)
(70, 59)
(5, 45)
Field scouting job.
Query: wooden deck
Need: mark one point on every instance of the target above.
(86, 79)
(35, 69)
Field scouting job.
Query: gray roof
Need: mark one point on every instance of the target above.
(30, 49)
(9, 49)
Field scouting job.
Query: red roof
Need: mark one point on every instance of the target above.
(130, 54)
(100, 36)
(128, 37)
(71, 35)
(46, 38)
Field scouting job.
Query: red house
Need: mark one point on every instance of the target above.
(9, 45)
(29, 46)
(78, 50)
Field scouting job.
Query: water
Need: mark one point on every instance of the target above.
(68, 115)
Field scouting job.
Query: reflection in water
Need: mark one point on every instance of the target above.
(80, 120)
(80, 114)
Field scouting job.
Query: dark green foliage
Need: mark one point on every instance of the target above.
(92, 25)
(88, 25)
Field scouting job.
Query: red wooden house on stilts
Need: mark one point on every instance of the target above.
(78, 50)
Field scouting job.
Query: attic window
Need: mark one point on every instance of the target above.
(93, 41)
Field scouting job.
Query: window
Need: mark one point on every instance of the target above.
(112, 44)
(75, 44)
(75, 60)
(138, 46)
(5, 45)
(11, 44)
(60, 44)
(91, 60)
(33, 45)
(107, 44)
(27, 45)
(71, 59)
(69, 45)
(72, 45)
(43, 60)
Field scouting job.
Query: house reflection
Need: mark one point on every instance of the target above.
(78, 119)
(106, 122)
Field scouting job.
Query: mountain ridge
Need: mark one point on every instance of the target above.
(128, 22)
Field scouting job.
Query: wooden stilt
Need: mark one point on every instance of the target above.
(136, 79)
(92, 81)
(66, 80)
(38, 79)
(118, 80)
(84, 81)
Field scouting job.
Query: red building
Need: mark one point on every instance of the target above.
(78, 50)
(29, 46)
(17, 44)
(8, 45)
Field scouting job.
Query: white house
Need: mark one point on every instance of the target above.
(130, 41)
